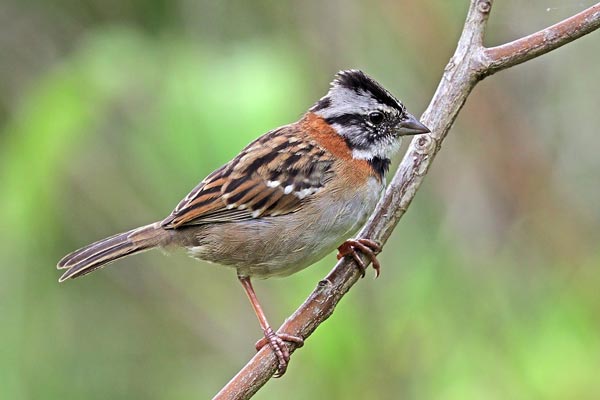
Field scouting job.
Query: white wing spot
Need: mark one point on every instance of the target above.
(273, 184)
(305, 192)
(288, 189)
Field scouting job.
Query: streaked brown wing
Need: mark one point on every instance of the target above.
(273, 175)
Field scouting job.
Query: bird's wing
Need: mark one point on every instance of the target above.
(274, 175)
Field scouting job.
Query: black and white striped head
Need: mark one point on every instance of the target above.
(366, 115)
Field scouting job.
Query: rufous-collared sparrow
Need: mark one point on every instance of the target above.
(288, 199)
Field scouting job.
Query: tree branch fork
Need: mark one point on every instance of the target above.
(470, 63)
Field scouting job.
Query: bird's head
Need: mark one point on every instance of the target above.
(366, 115)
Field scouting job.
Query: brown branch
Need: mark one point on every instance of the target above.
(469, 64)
(541, 42)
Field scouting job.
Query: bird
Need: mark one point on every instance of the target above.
(288, 199)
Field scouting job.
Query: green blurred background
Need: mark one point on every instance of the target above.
(112, 110)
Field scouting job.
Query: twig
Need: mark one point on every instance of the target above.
(470, 63)
(541, 42)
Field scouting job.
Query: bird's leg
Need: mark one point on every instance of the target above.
(368, 247)
(273, 339)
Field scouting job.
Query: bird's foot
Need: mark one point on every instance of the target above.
(368, 247)
(277, 343)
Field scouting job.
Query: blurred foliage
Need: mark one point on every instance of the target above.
(111, 111)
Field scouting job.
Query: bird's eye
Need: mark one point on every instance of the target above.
(376, 117)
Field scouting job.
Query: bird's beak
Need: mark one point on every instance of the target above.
(411, 126)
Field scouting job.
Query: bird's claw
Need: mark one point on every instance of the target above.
(277, 343)
(368, 247)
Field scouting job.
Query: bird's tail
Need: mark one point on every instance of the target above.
(103, 252)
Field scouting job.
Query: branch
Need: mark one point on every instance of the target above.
(541, 42)
(470, 63)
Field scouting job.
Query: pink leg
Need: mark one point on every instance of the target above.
(273, 339)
